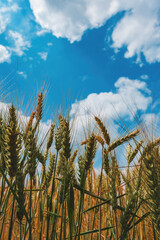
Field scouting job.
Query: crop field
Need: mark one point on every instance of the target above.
(54, 192)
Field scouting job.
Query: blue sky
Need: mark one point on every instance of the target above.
(102, 56)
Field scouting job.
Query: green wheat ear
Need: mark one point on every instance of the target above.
(13, 143)
(65, 164)
(106, 161)
(59, 134)
(49, 172)
(131, 154)
(65, 145)
(81, 167)
(68, 177)
(66, 140)
(60, 164)
(112, 176)
(49, 143)
(20, 194)
(32, 153)
(152, 170)
(3, 152)
(90, 151)
(51, 135)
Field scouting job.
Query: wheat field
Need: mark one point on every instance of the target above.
(65, 198)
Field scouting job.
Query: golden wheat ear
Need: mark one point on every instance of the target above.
(122, 140)
(30, 122)
(132, 154)
(73, 157)
(103, 130)
(100, 140)
(39, 108)
(90, 151)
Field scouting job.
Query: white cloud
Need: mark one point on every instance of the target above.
(144, 77)
(3, 107)
(3, 23)
(84, 78)
(49, 44)
(16, 42)
(151, 122)
(129, 97)
(150, 118)
(42, 32)
(5, 15)
(20, 44)
(23, 74)
(71, 18)
(138, 30)
(43, 55)
(8, 8)
(4, 54)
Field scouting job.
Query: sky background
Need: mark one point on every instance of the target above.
(101, 57)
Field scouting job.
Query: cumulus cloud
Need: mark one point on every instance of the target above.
(129, 97)
(71, 18)
(3, 23)
(17, 43)
(150, 118)
(138, 30)
(19, 46)
(43, 55)
(4, 54)
(5, 14)
(151, 122)
(9, 7)
(20, 43)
